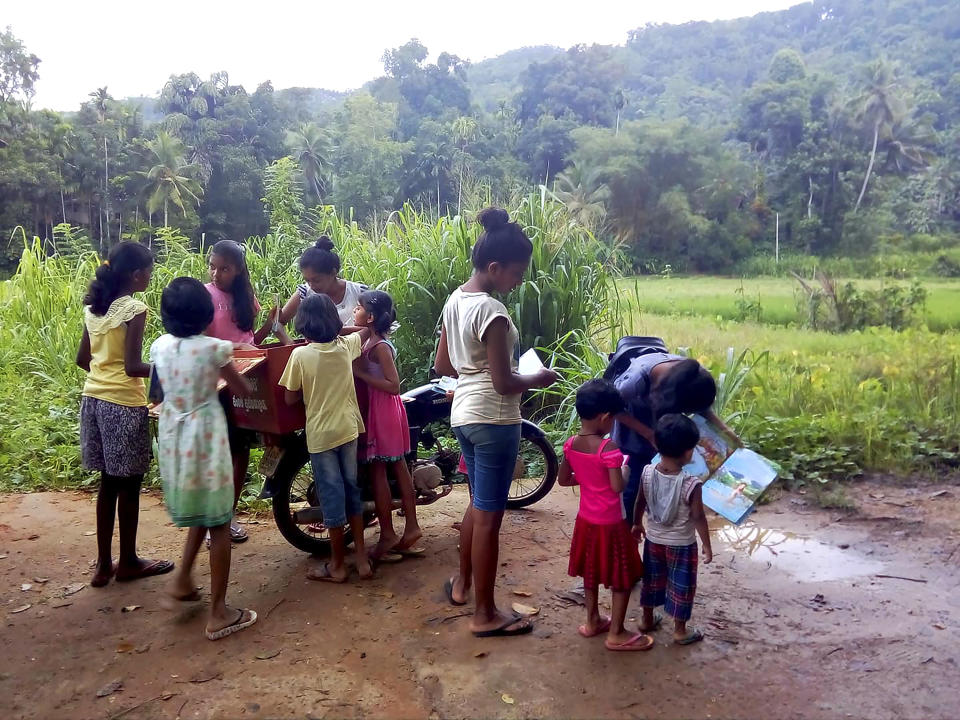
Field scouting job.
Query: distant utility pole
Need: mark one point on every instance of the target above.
(777, 241)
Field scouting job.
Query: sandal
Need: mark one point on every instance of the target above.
(691, 637)
(99, 581)
(448, 591)
(638, 643)
(324, 575)
(236, 626)
(505, 629)
(154, 567)
(657, 622)
(603, 627)
(238, 534)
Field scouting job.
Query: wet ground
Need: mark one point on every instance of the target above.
(808, 613)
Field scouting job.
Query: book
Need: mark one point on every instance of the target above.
(734, 477)
(529, 363)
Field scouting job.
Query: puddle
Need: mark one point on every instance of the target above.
(804, 558)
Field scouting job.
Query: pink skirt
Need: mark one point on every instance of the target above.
(388, 434)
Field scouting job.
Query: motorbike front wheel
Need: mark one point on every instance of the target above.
(536, 469)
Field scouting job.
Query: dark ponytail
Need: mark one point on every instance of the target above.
(380, 305)
(501, 242)
(113, 277)
(321, 258)
(244, 311)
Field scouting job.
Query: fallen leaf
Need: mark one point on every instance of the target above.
(938, 626)
(142, 649)
(167, 695)
(481, 654)
(3, 557)
(525, 610)
(25, 586)
(522, 593)
(387, 594)
(109, 688)
(60, 604)
(88, 533)
(41, 581)
(206, 675)
(124, 647)
(21, 609)
(507, 699)
(73, 589)
(267, 654)
(130, 608)
(34, 537)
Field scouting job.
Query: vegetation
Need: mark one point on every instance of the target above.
(687, 146)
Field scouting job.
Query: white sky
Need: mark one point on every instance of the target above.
(132, 47)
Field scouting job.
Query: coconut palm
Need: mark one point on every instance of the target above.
(584, 193)
(170, 178)
(909, 144)
(877, 108)
(464, 133)
(311, 146)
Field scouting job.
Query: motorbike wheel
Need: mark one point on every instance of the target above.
(536, 471)
(293, 491)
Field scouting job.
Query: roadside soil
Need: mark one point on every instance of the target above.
(808, 613)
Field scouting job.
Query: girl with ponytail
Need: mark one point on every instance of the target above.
(114, 430)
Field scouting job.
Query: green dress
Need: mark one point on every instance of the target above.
(194, 452)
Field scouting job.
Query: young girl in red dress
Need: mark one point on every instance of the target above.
(387, 440)
(602, 552)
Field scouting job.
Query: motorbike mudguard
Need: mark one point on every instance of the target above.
(529, 429)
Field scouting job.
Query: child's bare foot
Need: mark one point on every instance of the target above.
(411, 536)
(592, 629)
(231, 621)
(387, 544)
(102, 574)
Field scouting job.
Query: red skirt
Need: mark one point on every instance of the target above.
(605, 555)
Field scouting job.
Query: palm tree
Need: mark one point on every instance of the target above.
(169, 179)
(619, 100)
(433, 163)
(585, 195)
(312, 148)
(876, 109)
(464, 132)
(909, 144)
(101, 98)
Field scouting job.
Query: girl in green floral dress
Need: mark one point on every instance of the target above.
(194, 453)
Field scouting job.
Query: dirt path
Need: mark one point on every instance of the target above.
(798, 624)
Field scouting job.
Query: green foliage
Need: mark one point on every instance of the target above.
(842, 307)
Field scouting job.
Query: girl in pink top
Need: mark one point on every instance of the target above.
(602, 552)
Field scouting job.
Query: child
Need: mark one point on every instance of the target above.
(235, 309)
(320, 267)
(114, 430)
(674, 506)
(194, 451)
(322, 373)
(388, 435)
(602, 550)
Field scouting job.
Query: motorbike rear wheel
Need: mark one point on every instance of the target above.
(536, 470)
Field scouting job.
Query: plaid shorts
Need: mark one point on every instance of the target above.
(669, 578)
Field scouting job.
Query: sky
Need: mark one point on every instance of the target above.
(132, 47)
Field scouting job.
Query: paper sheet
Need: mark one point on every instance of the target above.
(529, 363)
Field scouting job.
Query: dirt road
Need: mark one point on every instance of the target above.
(799, 621)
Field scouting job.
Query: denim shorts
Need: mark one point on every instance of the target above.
(490, 454)
(335, 478)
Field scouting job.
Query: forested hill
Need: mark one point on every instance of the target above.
(684, 145)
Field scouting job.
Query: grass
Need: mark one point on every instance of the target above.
(769, 300)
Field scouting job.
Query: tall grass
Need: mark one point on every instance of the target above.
(417, 258)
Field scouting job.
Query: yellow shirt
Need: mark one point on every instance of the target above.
(324, 372)
(108, 379)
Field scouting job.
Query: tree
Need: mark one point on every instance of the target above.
(169, 179)
(464, 133)
(877, 107)
(312, 148)
(584, 193)
(18, 68)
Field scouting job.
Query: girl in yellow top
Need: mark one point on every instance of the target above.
(114, 433)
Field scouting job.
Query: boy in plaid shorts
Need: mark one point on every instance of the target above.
(673, 504)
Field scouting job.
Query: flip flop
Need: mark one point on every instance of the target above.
(389, 558)
(448, 591)
(326, 577)
(102, 581)
(632, 645)
(238, 534)
(235, 626)
(171, 602)
(503, 630)
(657, 622)
(603, 627)
(156, 567)
(411, 552)
(692, 637)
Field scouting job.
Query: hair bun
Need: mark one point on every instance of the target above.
(324, 243)
(493, 218)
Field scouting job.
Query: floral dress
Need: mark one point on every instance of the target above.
(194, 453)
